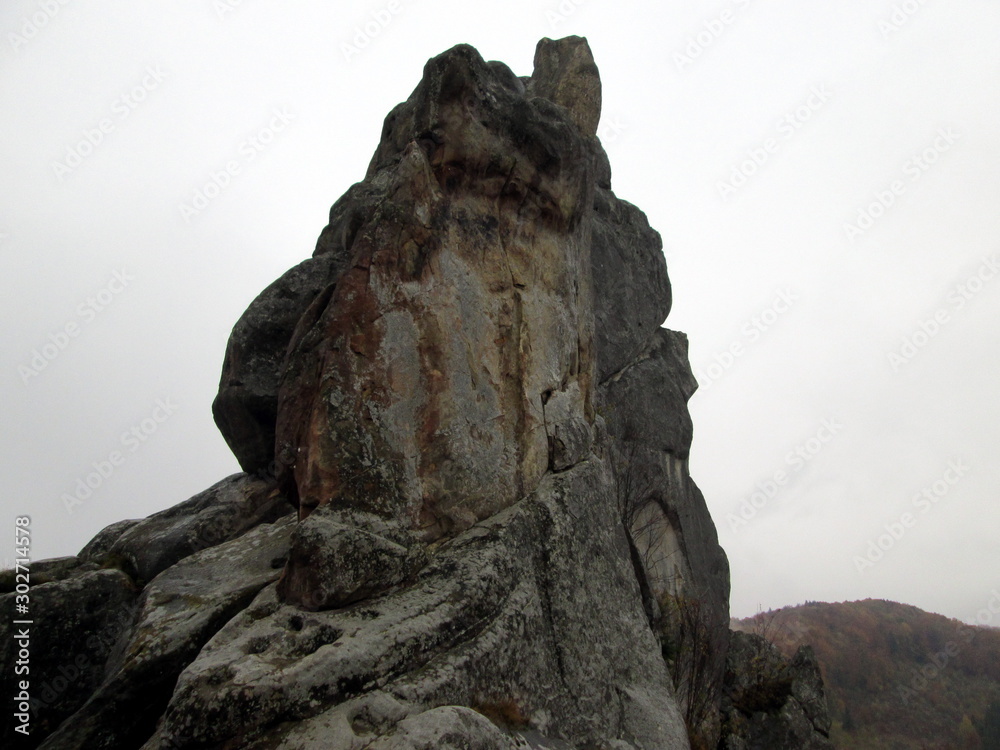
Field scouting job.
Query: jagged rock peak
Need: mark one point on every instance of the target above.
(565, 74)
(486, 109)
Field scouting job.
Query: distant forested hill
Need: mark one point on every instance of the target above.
(897, 677)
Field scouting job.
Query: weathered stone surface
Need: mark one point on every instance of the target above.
(646, 401)
(565, 74)
(339, 557)
(99, 547)
(602, 168)
(632, 294)
(521, 617)
(683, 571)
(771, 703)
(645, 383)
(247, 402)
(224, 511)
(448, 728)
(418, 392)
(570, 435)
(177, 613)
(77, 622)
(352, 211)
(46, 571)
(807, 689)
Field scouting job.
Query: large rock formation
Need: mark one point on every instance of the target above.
(772, 703)
(467, 396)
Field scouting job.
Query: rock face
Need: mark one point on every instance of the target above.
(772, 703)
(418, 383)
(467, 395)
(84, 616)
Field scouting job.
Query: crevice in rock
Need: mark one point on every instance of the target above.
(641, 356)
(542, 582)
(648, 601)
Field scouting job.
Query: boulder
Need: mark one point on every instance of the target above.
(246, 405)
(340, 557)
(565, 74)
(224, 511)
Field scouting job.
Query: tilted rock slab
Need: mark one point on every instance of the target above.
(445, 391)
(178, 612)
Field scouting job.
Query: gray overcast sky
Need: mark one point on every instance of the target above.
(825, 177)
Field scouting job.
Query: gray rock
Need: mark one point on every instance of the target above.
(340, 557)
(493, 623)
(646, 401)
(602, 166)
(684, 571)
(177, 613)
(77, 623)
(631, 289)
(224, 511)
(416, 393)
(507, 77)
(565, 74)
(99, 547)
(246, 404)
(348, 215)
(447, 728)
(807, 689)
(570, 435)
(47, 571)
(772, 703)
(686, 574)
